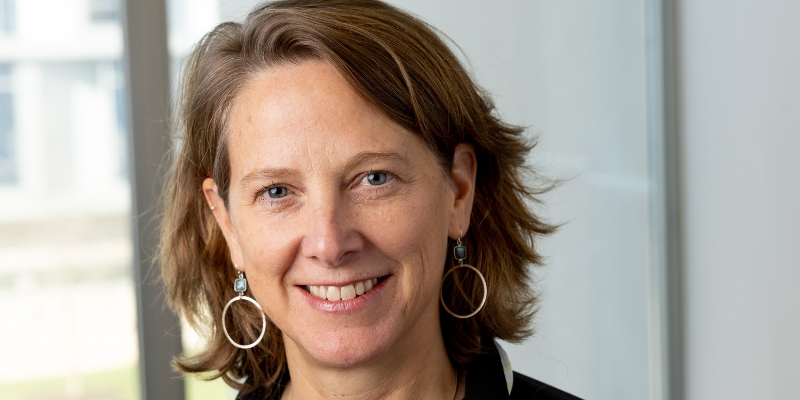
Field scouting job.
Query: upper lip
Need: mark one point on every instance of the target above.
(343, 283)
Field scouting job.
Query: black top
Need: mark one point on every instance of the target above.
(484, 380)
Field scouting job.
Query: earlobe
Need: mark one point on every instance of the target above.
(463, 179)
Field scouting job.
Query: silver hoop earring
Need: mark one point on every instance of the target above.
(240, 285)
(460, 254)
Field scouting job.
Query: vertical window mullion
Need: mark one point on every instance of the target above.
(147, 63)
(666, 320)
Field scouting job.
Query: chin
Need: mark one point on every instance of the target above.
(345, 348)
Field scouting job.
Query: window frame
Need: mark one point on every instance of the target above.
(146, 62)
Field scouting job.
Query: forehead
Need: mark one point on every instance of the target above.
(296, 97)
(307, 113)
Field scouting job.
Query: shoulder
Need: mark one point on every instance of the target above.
(262, 393)
(528, 388)
(490, 377)
(258, 394)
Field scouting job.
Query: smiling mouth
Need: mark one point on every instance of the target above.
(348, 292)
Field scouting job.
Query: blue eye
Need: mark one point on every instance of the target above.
(277, 192)
(377, 178)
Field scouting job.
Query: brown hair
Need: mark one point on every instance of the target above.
(398, 64)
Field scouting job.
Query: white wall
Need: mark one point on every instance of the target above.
(739, 72)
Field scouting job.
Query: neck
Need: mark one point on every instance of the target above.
(412, 368)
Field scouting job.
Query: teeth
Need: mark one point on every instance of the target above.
(349, 292)
(334, 294)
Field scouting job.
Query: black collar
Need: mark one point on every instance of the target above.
(485, 378)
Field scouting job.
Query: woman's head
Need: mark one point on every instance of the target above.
(339, 142)
(326, 192)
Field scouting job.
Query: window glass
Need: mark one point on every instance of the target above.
(66, 290)
(8, 18)
(8, 173)
(104, 10)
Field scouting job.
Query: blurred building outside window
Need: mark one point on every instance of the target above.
(8, 173)
(105, 10)
(66, 290)
(8, 21)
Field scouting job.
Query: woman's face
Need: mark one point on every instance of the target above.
(328, 198)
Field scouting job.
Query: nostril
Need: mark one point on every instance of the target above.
(330, 238)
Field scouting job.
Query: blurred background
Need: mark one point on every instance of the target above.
(675, 126)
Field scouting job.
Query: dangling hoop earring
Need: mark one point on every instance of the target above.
(240, 285)
(460, 254)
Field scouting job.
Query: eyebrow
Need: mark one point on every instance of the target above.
(267, 173)
(360, 158)
(372, 156)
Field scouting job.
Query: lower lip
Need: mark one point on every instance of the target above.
(344, 306)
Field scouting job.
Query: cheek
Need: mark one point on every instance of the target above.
(267, 256)
(418, 237)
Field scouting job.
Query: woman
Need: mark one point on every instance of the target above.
(339, 170)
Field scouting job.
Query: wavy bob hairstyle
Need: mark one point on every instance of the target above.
(400, 66)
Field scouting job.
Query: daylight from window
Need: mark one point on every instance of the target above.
(66, 295)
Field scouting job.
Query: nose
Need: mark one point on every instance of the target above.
(331, 238)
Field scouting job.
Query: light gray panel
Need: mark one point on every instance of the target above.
(740, 145)
(235, 10)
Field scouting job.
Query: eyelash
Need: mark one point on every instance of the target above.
(272, 202)
(391, 178)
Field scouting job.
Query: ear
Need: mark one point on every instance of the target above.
(217, 206)
(462, 182)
